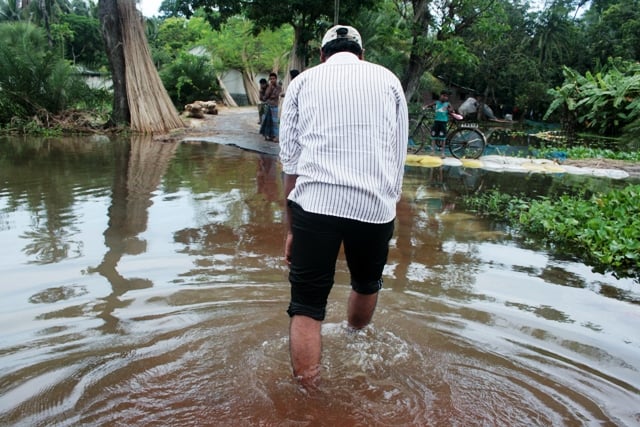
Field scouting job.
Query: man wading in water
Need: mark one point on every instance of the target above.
(343, 144)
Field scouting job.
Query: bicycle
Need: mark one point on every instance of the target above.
(465, 140)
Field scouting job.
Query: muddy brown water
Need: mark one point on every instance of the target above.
(142, 284)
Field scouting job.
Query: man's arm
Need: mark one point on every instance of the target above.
(289, 184)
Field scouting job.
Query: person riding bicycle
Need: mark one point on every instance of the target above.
(439, 129)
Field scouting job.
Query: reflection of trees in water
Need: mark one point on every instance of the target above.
(138, 171)
(47, 176)
(53, 241)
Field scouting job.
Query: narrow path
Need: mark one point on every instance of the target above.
(236, 126)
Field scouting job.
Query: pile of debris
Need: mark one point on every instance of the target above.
(198, 109)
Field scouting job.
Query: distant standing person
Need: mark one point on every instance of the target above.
(441, 121)
(292, 75)
(261, 97)
(271, 120)
(343, 147)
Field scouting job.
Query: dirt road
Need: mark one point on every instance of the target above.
(238, 126)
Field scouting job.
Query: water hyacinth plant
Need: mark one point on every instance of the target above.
(602, 229)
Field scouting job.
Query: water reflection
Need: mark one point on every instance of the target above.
(162, 302)
(139, 168)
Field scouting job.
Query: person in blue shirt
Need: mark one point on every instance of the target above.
(439, 129)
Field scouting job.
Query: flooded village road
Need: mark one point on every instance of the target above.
(142, 284)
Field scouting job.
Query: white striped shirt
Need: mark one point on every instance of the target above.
(344, 132)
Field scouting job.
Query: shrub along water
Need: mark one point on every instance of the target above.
(35, 84)
(602, 229)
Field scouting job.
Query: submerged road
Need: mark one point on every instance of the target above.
(238, 126)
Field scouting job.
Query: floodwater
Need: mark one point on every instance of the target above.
(142, 284)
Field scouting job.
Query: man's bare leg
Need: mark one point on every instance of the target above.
(360, 309)
(305, 345)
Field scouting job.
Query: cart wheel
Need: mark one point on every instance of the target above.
(466, 143)
(418, 135)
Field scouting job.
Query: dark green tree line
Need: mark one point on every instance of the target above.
(503, 50)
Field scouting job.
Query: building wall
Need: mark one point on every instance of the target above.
(232, 79)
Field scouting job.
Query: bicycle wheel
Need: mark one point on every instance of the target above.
(466, 143)
(419, 134)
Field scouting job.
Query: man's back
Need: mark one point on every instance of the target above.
(341, 130)
(343, 147)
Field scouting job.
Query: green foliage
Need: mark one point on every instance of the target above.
(310, 18)
(387, 35)
(581, 152)
(190, 78)
(614, 31)
(497, 48)
(11, 11)
(235, 46)
(606, 102)
(177, 34)
(84, 43)
(603, 229)
(34, 80)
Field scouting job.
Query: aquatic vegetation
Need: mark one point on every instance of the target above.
(582, 152)
(602, 229)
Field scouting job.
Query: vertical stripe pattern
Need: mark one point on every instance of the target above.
(344, 132)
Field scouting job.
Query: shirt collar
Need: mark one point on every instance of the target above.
(342, 58)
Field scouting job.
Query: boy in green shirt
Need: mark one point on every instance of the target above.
(439, 129)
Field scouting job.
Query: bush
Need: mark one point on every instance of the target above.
(190, 78)
(603, 230)
(34, 83)
(606, 102)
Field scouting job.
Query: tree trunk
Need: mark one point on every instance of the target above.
(419, 56)
(45, 19)
(149, 106)
(298, 58)
(411, 80)
(112, 35)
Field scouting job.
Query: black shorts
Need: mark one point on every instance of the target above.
(439, 130)
(314, 251)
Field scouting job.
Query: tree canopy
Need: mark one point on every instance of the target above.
(503, 50)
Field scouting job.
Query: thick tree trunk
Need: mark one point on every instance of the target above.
(149, 103)
(149, 107)
(112, 35)
(411, 80)
(418, 58)
(298, 57)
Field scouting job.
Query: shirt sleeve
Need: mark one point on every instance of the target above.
(289, 143)
(402, 134)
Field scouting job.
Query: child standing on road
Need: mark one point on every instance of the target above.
(439, 129)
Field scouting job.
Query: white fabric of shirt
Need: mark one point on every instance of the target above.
(344, 132)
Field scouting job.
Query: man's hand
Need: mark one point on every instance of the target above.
(287, 247)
